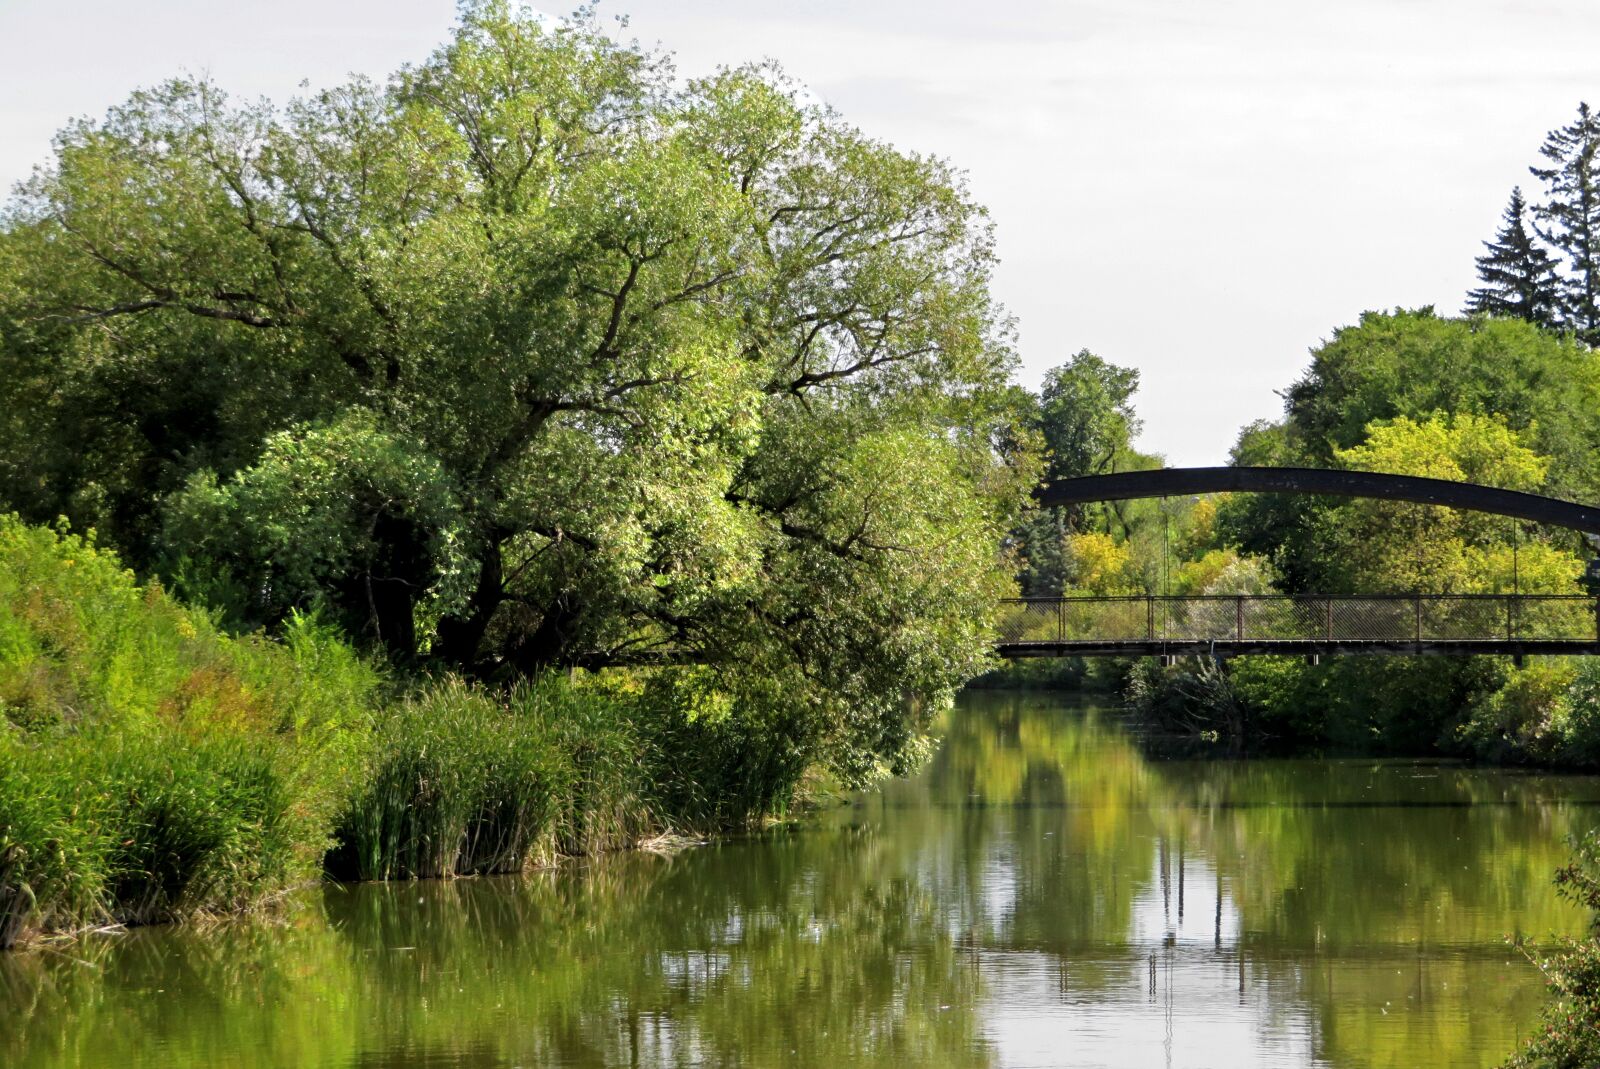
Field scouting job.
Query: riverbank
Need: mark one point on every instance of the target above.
(153, 767)
(1545, 714)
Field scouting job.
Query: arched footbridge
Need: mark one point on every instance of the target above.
(1234, 625)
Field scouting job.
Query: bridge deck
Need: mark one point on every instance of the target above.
(1238, 625)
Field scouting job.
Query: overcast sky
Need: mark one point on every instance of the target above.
(1202, 189)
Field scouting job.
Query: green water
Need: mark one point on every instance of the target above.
(1043, 894)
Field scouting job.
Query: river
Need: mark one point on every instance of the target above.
(1044, 893)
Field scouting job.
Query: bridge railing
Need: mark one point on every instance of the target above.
(1274, 617)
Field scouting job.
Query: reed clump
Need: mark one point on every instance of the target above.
(463, 780)
(456, 783)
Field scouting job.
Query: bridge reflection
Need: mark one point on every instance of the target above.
(1230, 625)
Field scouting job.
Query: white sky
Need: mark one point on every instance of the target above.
(1202, 189)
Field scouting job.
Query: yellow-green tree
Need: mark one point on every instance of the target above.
(1396, 547)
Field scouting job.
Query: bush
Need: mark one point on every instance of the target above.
(1347, 704)
(1569, 1036)
(722, 760)
(463, 780)
(1038, 673)
(1581, 745)
(1191, 697)
(1525, 719)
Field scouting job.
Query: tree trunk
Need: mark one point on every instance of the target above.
(459, 638)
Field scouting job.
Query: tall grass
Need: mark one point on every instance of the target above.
(455, 784)
(152, 765)
(722, 761)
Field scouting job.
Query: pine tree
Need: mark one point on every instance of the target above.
(1519, 276)
(1571, 217)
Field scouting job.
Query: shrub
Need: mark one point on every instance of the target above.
(1569, 1033)
(1526, 719)
(1192, 697)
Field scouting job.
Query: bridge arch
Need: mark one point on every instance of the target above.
(1174, 482)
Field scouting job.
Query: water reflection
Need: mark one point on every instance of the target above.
(1044, 894)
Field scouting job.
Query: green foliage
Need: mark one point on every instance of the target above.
(463, 781)
(1383, 546)
(151, 766)
(300, 522)
(1086, 415)
(1083, 419)
(1493, 401)
(1526, 719)
(1569, 1036)
(533, 356)
(722, 760)
(82, 644)
(1546, 713)
(1375, 705)
(1049, 673)
(1190, 697)
(1415, 364)
(142, 826)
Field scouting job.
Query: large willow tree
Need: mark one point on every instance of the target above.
(533, 356)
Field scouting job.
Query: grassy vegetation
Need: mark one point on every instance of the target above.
(152, 766)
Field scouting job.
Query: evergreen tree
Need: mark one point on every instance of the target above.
(1571, 217)
(1519, 276)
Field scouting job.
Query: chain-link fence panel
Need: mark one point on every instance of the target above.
(1552, 619)
(1373, 619)
(1031, 620)
(1113, 619)
(1465, 618)
(1286, 619)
